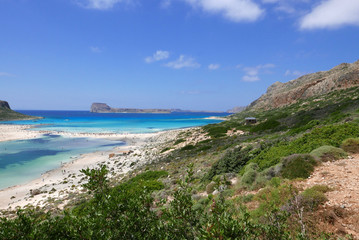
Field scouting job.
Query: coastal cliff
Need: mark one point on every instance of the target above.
(280, 94)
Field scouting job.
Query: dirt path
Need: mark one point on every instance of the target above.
(343, 177)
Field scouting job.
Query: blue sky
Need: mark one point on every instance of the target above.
(189, 54)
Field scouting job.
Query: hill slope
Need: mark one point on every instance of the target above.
(6, 114)
(281, 94)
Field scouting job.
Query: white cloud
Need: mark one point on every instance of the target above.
(252, 73)
(234, 10)
(166, 3)
(213, 66)
(183, 62)
(332, 14)
(100, 4)
(247, 78)
(290, 7)
(5, 74)
(158, 56)
(294, 73)
(95, 50)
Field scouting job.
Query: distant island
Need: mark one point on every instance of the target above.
(104, 108)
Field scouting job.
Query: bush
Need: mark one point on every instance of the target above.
(251, 166)
(313, 197)
(178, 141)
(270, 124)
(297, 166)
(351, 145)
(233, 161)
(328, 153)
(249, 177)
(216, 130)
(210, 187)
(329, 135)
(188, 147)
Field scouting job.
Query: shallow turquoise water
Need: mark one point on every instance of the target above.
(82, 121)
(22, 161)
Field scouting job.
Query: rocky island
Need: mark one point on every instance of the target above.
(104, 108)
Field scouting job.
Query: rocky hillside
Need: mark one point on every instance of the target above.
(280, 94)
(6, 114)
(236, 109)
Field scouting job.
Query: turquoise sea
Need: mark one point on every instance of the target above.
(24, 160)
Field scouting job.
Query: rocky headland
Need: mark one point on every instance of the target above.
(6, 114)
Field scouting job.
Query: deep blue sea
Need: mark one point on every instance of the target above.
(24, 160)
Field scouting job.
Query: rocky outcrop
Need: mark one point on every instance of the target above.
(4, 104)
(100, 108)
(281, 94)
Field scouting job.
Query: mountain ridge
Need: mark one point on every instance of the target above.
(280, 94)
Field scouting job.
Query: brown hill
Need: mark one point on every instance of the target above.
(280, 94)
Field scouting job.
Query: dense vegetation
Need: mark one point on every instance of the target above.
(8, 114)
(201, 190)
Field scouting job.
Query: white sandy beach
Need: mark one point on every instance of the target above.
(11, 132)
(56, 185)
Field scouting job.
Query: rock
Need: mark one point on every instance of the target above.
(4, 104)
(35, 192)
(100, 107)
(215, 192)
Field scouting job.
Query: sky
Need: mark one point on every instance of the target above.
(188, 54)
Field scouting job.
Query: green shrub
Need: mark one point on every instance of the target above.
(351, 145)
(251, 166)
(332, 135)
(270, 198)
(270, 124)
(165, 149)
(328, 153)
(233, 161)
(249, 177)
(297, 166)
(188, 147)
(210, 187)
(313, 197)
(275, 182)
(216, 130)
(204, 148)
(178, 141)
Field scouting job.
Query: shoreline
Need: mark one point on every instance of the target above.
(56, 185)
